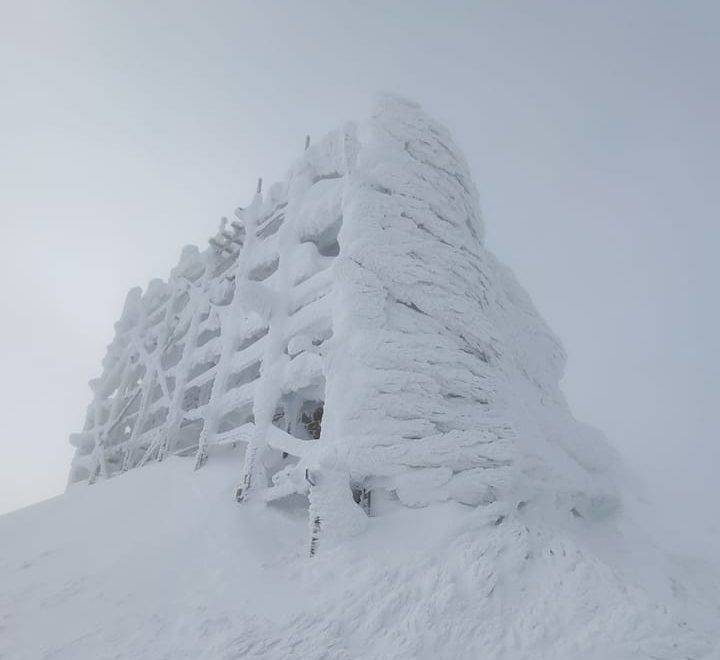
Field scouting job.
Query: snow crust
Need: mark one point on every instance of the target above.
(162, 563)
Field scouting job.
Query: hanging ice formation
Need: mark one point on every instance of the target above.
(352, 335)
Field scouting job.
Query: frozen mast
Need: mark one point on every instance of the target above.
(350, 333)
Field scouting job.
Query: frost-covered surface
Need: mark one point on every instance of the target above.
(386, 396)
(443, 382)
(161, 563)
(355, 302)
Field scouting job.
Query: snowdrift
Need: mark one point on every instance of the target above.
(162, 563)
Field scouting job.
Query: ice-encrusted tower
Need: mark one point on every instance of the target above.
(351, 334)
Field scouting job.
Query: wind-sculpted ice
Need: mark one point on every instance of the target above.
(350, 333)
(386, 399)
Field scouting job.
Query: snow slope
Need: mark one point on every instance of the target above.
(162, 563)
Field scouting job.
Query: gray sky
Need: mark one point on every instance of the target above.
(128, 128)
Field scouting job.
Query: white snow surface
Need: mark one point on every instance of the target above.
(497, 526)
(161, 563)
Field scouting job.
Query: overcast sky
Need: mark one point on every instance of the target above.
(592, 129)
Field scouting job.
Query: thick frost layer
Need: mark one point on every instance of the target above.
(443, 380)
(352, 330)
(346, 341)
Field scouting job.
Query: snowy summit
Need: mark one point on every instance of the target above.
(338, 432)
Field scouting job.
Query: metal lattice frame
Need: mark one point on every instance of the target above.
(190, 356)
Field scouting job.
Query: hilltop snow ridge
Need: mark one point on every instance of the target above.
(349, 361)
(162, 563)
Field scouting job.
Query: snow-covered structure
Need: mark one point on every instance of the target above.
(345, 345)
(352, 335)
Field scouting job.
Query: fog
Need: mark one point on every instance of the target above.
(592, 131)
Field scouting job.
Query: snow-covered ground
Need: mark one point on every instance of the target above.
(162, 563)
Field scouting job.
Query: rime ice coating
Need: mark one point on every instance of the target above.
(347, 349)
(350, 332)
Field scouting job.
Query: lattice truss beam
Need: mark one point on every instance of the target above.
(229, 350)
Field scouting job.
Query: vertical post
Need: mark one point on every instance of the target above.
(228, 336)
(196, 305)
(259, 186)
(314, 536)
(307, 142)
